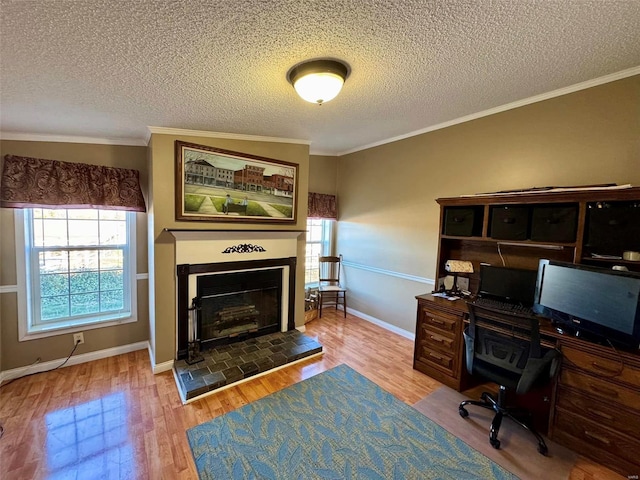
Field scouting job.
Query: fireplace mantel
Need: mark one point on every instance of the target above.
(211, 246)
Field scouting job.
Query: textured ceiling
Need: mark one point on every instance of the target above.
(109, 69)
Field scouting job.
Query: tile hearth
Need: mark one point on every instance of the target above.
(232, 363)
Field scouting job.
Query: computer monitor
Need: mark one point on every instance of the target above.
(598, 303)
(508, 284)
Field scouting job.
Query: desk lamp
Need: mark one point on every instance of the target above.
(456, 267)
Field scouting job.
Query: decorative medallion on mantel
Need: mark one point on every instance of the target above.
(244, 248)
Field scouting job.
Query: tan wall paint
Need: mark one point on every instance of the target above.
(388, 217)
(162, 215)
(15, 354)
(323, 174)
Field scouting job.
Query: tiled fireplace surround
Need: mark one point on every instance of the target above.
(214, 252)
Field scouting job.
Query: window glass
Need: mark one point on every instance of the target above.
(79, 266)
(318, 243)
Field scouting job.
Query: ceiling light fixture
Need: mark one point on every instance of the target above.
(318, 81)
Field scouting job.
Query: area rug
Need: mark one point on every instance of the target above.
(336, 424)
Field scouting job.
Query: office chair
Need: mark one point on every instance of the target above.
(514, 360)
(329, 287)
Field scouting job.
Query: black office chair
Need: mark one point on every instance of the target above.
(514, 360)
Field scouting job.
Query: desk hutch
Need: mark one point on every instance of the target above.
(593, 406)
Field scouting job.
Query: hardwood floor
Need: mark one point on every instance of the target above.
(113, 418)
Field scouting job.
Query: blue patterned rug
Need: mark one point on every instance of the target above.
(335, 425)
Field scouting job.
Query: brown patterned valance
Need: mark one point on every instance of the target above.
(322, 206)
(35, 182)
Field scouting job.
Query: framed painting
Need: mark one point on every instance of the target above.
(221, 185)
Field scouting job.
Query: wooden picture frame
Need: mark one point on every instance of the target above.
(219, 185)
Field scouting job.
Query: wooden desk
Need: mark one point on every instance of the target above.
(593, 404)
(439, 346)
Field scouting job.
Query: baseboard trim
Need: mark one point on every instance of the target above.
(74, 360)
(380, 323)
(162, 367)
(158, 367)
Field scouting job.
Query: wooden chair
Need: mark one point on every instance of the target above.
(329, 283)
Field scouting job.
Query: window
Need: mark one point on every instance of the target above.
(319, 234)
(79, 269)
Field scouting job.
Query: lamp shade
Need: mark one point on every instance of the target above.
(458, 266)
(318, 81)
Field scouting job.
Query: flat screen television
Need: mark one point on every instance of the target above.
(599, 304)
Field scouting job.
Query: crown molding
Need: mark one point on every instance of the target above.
(321, 153)
(509, 106)
(35, 137)
(138, 142)
(230, 136)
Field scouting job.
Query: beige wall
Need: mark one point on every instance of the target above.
(323, 174)
(388, 217)
(14, 354)
(162, 216)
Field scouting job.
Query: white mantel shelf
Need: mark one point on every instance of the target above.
(210, 246)
(179, 230)
(226, 235)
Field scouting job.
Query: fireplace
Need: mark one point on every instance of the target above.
(244, 286)
(225, 302)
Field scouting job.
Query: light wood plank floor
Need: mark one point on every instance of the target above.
(113, 418)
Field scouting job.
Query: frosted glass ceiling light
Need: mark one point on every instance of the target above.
(318, 81)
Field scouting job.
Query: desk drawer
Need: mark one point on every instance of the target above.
(607, 391)
(601, 367)
(599, 441)
(442, 321)
(618, 419)
(443, 342)
(441, 360)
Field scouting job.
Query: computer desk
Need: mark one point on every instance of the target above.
(592, 406)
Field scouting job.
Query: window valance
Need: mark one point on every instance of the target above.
(322, 206)
(34, 182)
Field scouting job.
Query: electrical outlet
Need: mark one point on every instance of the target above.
(78, 338)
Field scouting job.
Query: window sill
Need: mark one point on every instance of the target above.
(43, 331)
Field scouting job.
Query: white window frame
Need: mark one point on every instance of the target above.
(326, 244)
(28, 327)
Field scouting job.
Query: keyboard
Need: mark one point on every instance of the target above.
(506, 307)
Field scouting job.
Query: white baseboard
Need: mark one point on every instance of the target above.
(162, 367)
(380, 323)
(302, 328)
(74, 360)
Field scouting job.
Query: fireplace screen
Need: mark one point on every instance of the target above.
(235, 304)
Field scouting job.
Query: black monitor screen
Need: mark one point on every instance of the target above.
(606, 299)
(511, 284)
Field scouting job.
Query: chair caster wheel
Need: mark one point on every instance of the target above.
(542, 449)
(494, 443)
(463, 412)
